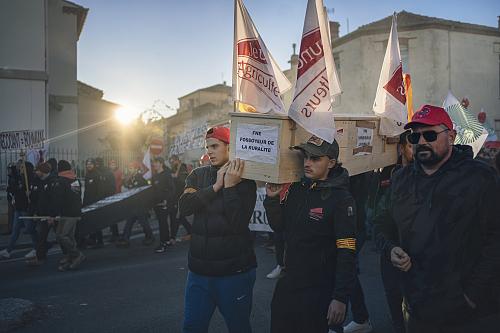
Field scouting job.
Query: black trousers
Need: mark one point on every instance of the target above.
(393, 293)
(477, 325)
(300, 310)
(176, 221)
(42, 246)
(279, 245)
(162, 216)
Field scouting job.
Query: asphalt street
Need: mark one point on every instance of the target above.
(136, 290)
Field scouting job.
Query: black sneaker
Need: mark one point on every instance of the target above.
(162, 248)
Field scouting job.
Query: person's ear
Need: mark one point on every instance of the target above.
(451, 137)
(331, 163)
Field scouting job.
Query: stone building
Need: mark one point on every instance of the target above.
(197, 111)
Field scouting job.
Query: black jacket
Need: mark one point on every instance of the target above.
(163, 187)
(221, 242)
(65, 196)
(40, 195)
(93, 186)
(106, 182)
(449, 225)
(180, 181)
(319, 224)
(17, 190)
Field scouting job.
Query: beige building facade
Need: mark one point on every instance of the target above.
(38, 89)
(198, 111)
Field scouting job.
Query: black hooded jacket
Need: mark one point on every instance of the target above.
(221, 243)
(319, 224)
(449, 224)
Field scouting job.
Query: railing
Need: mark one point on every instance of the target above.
(76, 158)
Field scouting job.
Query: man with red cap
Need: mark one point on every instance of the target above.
(445, 208)
(221, 257)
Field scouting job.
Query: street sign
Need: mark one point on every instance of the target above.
(156, 146)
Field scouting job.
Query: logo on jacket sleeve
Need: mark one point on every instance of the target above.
(316, 213)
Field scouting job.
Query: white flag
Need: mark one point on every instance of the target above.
(146, 162)
(317, 81)
(258, 82)
(469, 130)
(390, 100)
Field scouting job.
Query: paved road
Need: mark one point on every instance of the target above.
(134, 290)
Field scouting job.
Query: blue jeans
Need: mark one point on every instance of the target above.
(17, 225)
(231, 294)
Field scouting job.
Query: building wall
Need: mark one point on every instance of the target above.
(63, 112)
(96, 119)
(22, 65)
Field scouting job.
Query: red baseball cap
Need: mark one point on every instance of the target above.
(430, 115)
(220, 132)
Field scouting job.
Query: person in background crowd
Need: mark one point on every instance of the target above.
(91, 195)
(40, 194)
(318, 218)
(163, 186)
(118, 175)
(179, 174)
(65, 207)
(391, 276)
(12, 175)
(134, 180)
(106, 188)
(445, 208)
(20, 200)
(221, 258)
(53, 166)
(359, 187)
(204, 160)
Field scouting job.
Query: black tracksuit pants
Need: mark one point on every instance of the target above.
(300, 310)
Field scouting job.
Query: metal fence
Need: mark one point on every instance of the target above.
(75, 157)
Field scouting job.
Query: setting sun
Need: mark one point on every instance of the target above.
(125, 116)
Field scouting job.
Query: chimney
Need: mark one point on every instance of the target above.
(334, 30)
(498, 22)
(294, 59)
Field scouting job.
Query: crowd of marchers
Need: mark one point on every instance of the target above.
(50, 196)
(434, 216)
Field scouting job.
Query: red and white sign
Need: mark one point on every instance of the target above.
(317, 81)
(390, 100)
(258, 82)
(156, 146)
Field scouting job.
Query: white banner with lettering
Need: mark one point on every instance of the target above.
(258, 221)
(257, 143)
(25, 139)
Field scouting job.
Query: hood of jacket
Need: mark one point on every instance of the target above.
(338, 178)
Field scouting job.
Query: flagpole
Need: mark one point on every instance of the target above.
(235, 57)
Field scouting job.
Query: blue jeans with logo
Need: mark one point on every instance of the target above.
(231, 294)
(17, 225)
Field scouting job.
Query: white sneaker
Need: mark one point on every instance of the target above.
(354, 327)
(30, 254)
(4, 254)
(275, 273)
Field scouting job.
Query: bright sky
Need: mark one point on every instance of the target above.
(141, 51)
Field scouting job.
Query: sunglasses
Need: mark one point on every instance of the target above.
(429, 136)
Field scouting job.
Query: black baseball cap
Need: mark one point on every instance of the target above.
(319, 147)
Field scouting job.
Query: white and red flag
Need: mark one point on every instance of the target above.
(390, 100)
(317, 81)
(258, 82)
